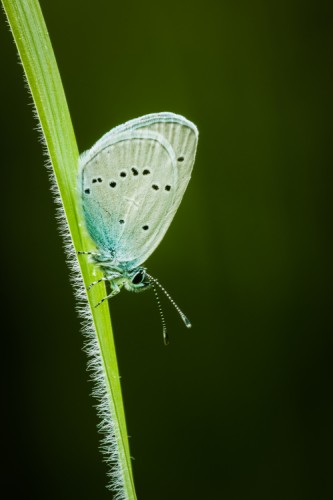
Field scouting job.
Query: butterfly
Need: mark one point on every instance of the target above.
(130, 185)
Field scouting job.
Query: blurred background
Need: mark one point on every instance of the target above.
(240, 407)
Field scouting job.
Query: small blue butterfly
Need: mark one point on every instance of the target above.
(131, 183)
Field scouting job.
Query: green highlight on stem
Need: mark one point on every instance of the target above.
(35, 50)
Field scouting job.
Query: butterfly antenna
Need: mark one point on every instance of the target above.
(181, 314)
(165, 334)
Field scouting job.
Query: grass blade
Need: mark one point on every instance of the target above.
(35, 50)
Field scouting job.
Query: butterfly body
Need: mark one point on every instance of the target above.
(120, 275)
(131, 183)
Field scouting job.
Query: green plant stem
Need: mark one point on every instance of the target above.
(35, 50)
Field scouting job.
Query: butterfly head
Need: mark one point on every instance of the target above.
(137, 280)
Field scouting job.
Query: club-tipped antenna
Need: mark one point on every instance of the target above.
(165, 333)
(181, 314)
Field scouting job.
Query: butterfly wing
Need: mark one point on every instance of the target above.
(132, 181)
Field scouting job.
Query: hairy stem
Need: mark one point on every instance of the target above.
(35, 50)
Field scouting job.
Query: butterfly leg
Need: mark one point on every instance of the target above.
(88, 253)
(96, 282)
(110, 277)
(116, 289)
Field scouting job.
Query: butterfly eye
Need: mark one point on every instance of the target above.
(138, 278)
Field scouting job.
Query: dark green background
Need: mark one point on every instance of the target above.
(241, 406)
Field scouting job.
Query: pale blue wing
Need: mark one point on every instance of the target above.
(132, 181)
